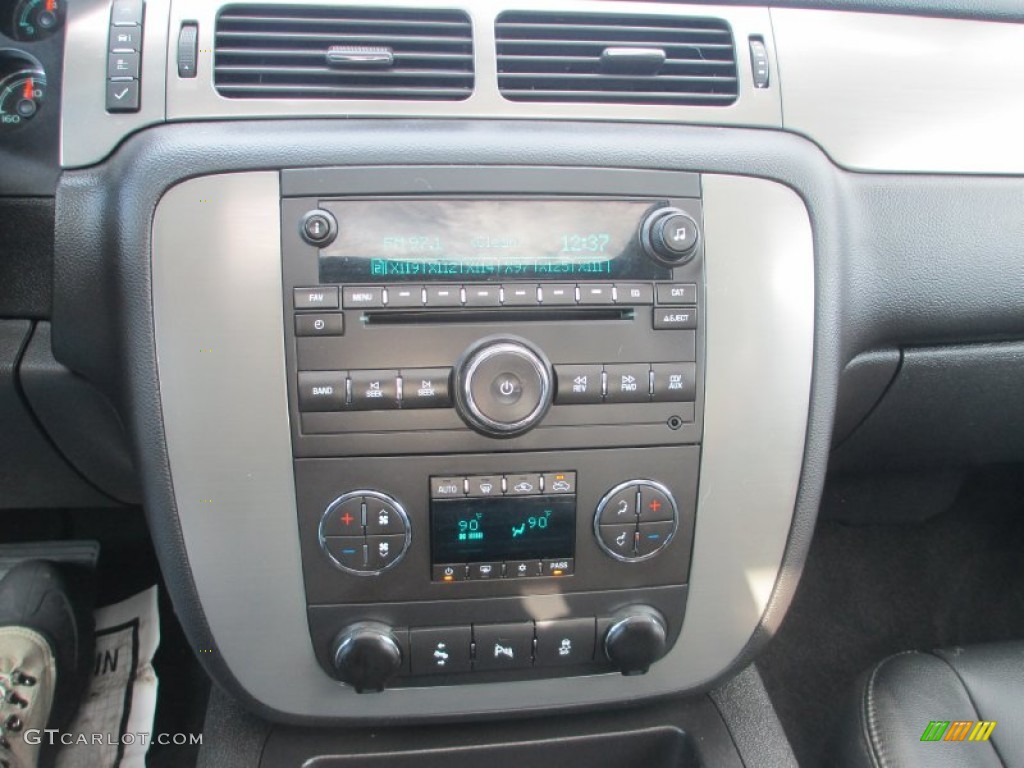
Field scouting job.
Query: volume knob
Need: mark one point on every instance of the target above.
(366, 656)
(669, 236)
(503, 387)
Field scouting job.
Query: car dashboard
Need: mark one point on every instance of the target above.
(485, 360)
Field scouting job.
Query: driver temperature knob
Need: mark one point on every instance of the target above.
(503, 386)
(636, 639)
(366, 656)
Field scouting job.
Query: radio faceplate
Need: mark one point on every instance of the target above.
(496, 402)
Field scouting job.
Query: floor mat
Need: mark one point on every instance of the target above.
(869, 591)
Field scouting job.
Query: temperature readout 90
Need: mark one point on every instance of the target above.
(477, 530)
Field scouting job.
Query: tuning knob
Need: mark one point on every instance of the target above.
(366, 656)
(670, 236)
(636, 639)
(502, 387)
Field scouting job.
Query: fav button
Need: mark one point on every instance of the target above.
(316, 298)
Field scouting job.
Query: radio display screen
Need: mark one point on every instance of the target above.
(483, 240)
(502, 528)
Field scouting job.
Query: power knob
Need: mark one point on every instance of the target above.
(366, 656)
(669, 236)
(502, 386)
(636, 639)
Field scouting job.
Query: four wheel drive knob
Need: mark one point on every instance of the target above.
(503, 386)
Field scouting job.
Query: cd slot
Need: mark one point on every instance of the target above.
(496, 315)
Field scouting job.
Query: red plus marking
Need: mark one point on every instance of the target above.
(347, 519)
(655, 505)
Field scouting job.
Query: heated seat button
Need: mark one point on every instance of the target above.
(578, 384)
(426, 388)
(675, 382)
(628, 383)
(503, 646)
(652, 537)
(374, 390)
(440, 650)
(565, 641)
(322, 390)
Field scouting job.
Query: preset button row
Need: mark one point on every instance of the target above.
(496, 295)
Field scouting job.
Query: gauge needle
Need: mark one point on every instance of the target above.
(50, 5)
(29, 89)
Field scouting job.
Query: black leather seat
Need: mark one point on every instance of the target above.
(903, 695)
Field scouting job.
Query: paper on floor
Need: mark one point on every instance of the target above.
(114, 725)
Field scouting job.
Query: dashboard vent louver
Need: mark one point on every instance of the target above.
(617, 59)
(331, 52)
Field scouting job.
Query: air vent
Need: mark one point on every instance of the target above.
(611, 58)
(330, 52)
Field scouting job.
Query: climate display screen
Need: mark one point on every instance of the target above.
(482, 240)
(501, 529)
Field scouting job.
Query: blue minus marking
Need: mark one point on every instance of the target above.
(348, 551)
(653, 535)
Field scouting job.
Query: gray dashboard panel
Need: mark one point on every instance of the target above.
(223, 396)
(903, 93)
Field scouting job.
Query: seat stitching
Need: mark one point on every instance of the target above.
(970, 698)
(870, 712)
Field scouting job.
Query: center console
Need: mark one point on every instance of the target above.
(496, 402)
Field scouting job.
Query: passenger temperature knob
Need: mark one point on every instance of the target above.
(366, 656)
(636, 639)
